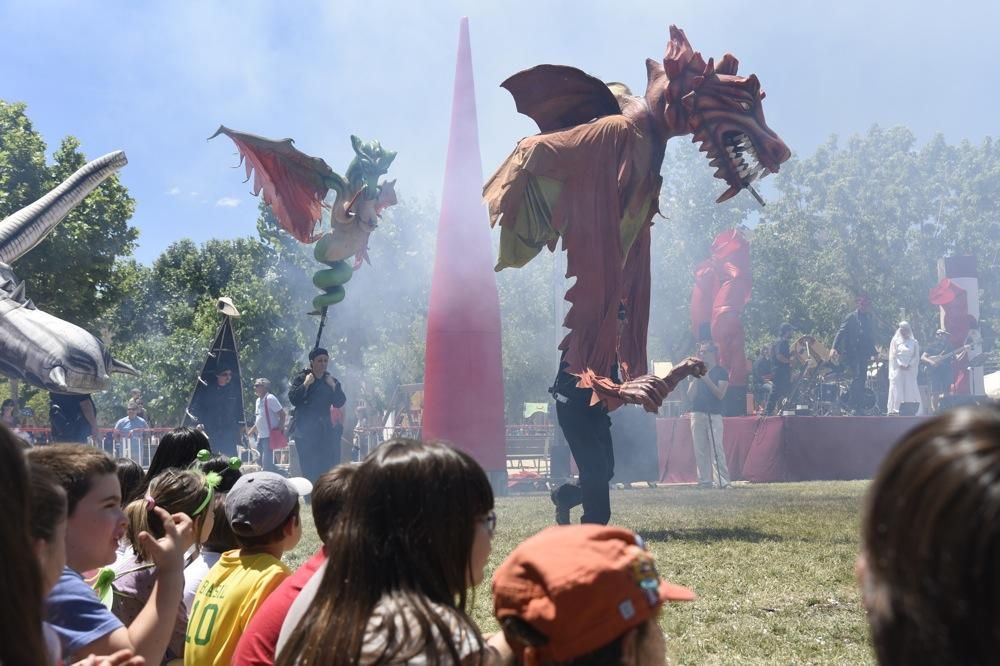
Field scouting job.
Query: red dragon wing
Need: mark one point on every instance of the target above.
(557, 96)
(294, 184)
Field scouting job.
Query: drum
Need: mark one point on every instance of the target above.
(869, 402)
(829, 392)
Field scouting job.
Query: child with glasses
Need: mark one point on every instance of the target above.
(414, 536)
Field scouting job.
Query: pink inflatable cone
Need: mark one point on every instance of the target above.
(463, 381)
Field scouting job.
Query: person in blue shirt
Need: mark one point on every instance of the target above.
(130, 429)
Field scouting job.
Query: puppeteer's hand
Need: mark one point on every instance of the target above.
(647, 390)
(310, 378)
(331, 382)
(691, 366)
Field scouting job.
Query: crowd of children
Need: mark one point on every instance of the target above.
(183, 565)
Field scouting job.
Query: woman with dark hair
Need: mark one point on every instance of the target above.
(178, 449)
(20, 576)
(130, 476)
(929, 568)
(414, 535)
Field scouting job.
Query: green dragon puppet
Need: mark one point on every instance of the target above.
(296, 187)
(592, 178)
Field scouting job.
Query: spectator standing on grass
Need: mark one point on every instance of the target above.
(585, 595)
(130, 428)
(928, 566)
(269, 415)
(706, 394)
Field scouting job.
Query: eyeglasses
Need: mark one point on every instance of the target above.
(490, 522)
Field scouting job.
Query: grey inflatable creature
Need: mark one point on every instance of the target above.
(35, 346)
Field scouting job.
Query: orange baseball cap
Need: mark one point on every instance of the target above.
(581, 586)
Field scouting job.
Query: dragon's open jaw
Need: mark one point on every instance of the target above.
(737, 162)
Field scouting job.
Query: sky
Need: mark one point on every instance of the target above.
(155, 79)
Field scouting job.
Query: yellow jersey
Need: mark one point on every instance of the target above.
(227, 598)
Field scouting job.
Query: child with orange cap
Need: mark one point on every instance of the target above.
(582, 594)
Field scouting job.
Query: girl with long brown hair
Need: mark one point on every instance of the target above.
(413, 537)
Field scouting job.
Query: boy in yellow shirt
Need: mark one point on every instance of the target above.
(263, 511)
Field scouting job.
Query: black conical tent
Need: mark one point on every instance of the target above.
(221, 420)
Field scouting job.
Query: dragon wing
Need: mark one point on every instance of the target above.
(557, 96)
(294, 184)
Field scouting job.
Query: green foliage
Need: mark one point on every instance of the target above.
(874, 215)
(23, 173)
(90, 239)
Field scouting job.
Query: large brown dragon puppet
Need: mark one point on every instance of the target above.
(592, 178)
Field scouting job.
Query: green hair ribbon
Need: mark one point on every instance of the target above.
(212, 481)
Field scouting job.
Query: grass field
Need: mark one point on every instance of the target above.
(773, 567)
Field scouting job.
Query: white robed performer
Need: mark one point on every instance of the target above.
(904, 359)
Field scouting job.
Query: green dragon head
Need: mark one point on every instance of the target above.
(371, 161)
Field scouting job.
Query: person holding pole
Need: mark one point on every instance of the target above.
(706, 394)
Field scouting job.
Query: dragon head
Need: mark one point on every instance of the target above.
(371, 161)
(722, 110)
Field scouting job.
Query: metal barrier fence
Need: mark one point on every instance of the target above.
(528, 446)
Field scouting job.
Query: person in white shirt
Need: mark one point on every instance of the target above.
(904, 357)
(270, 415)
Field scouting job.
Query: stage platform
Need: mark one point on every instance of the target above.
(786, 448)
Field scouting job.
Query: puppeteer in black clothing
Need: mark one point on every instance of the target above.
(313, 392)
(219, 409)
(587, 429)
(854, 346)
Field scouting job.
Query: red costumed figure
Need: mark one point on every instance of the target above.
(593, 179)
(954, 304)
(706, 285)
(731, 256)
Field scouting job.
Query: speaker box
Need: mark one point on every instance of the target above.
(951, 401)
